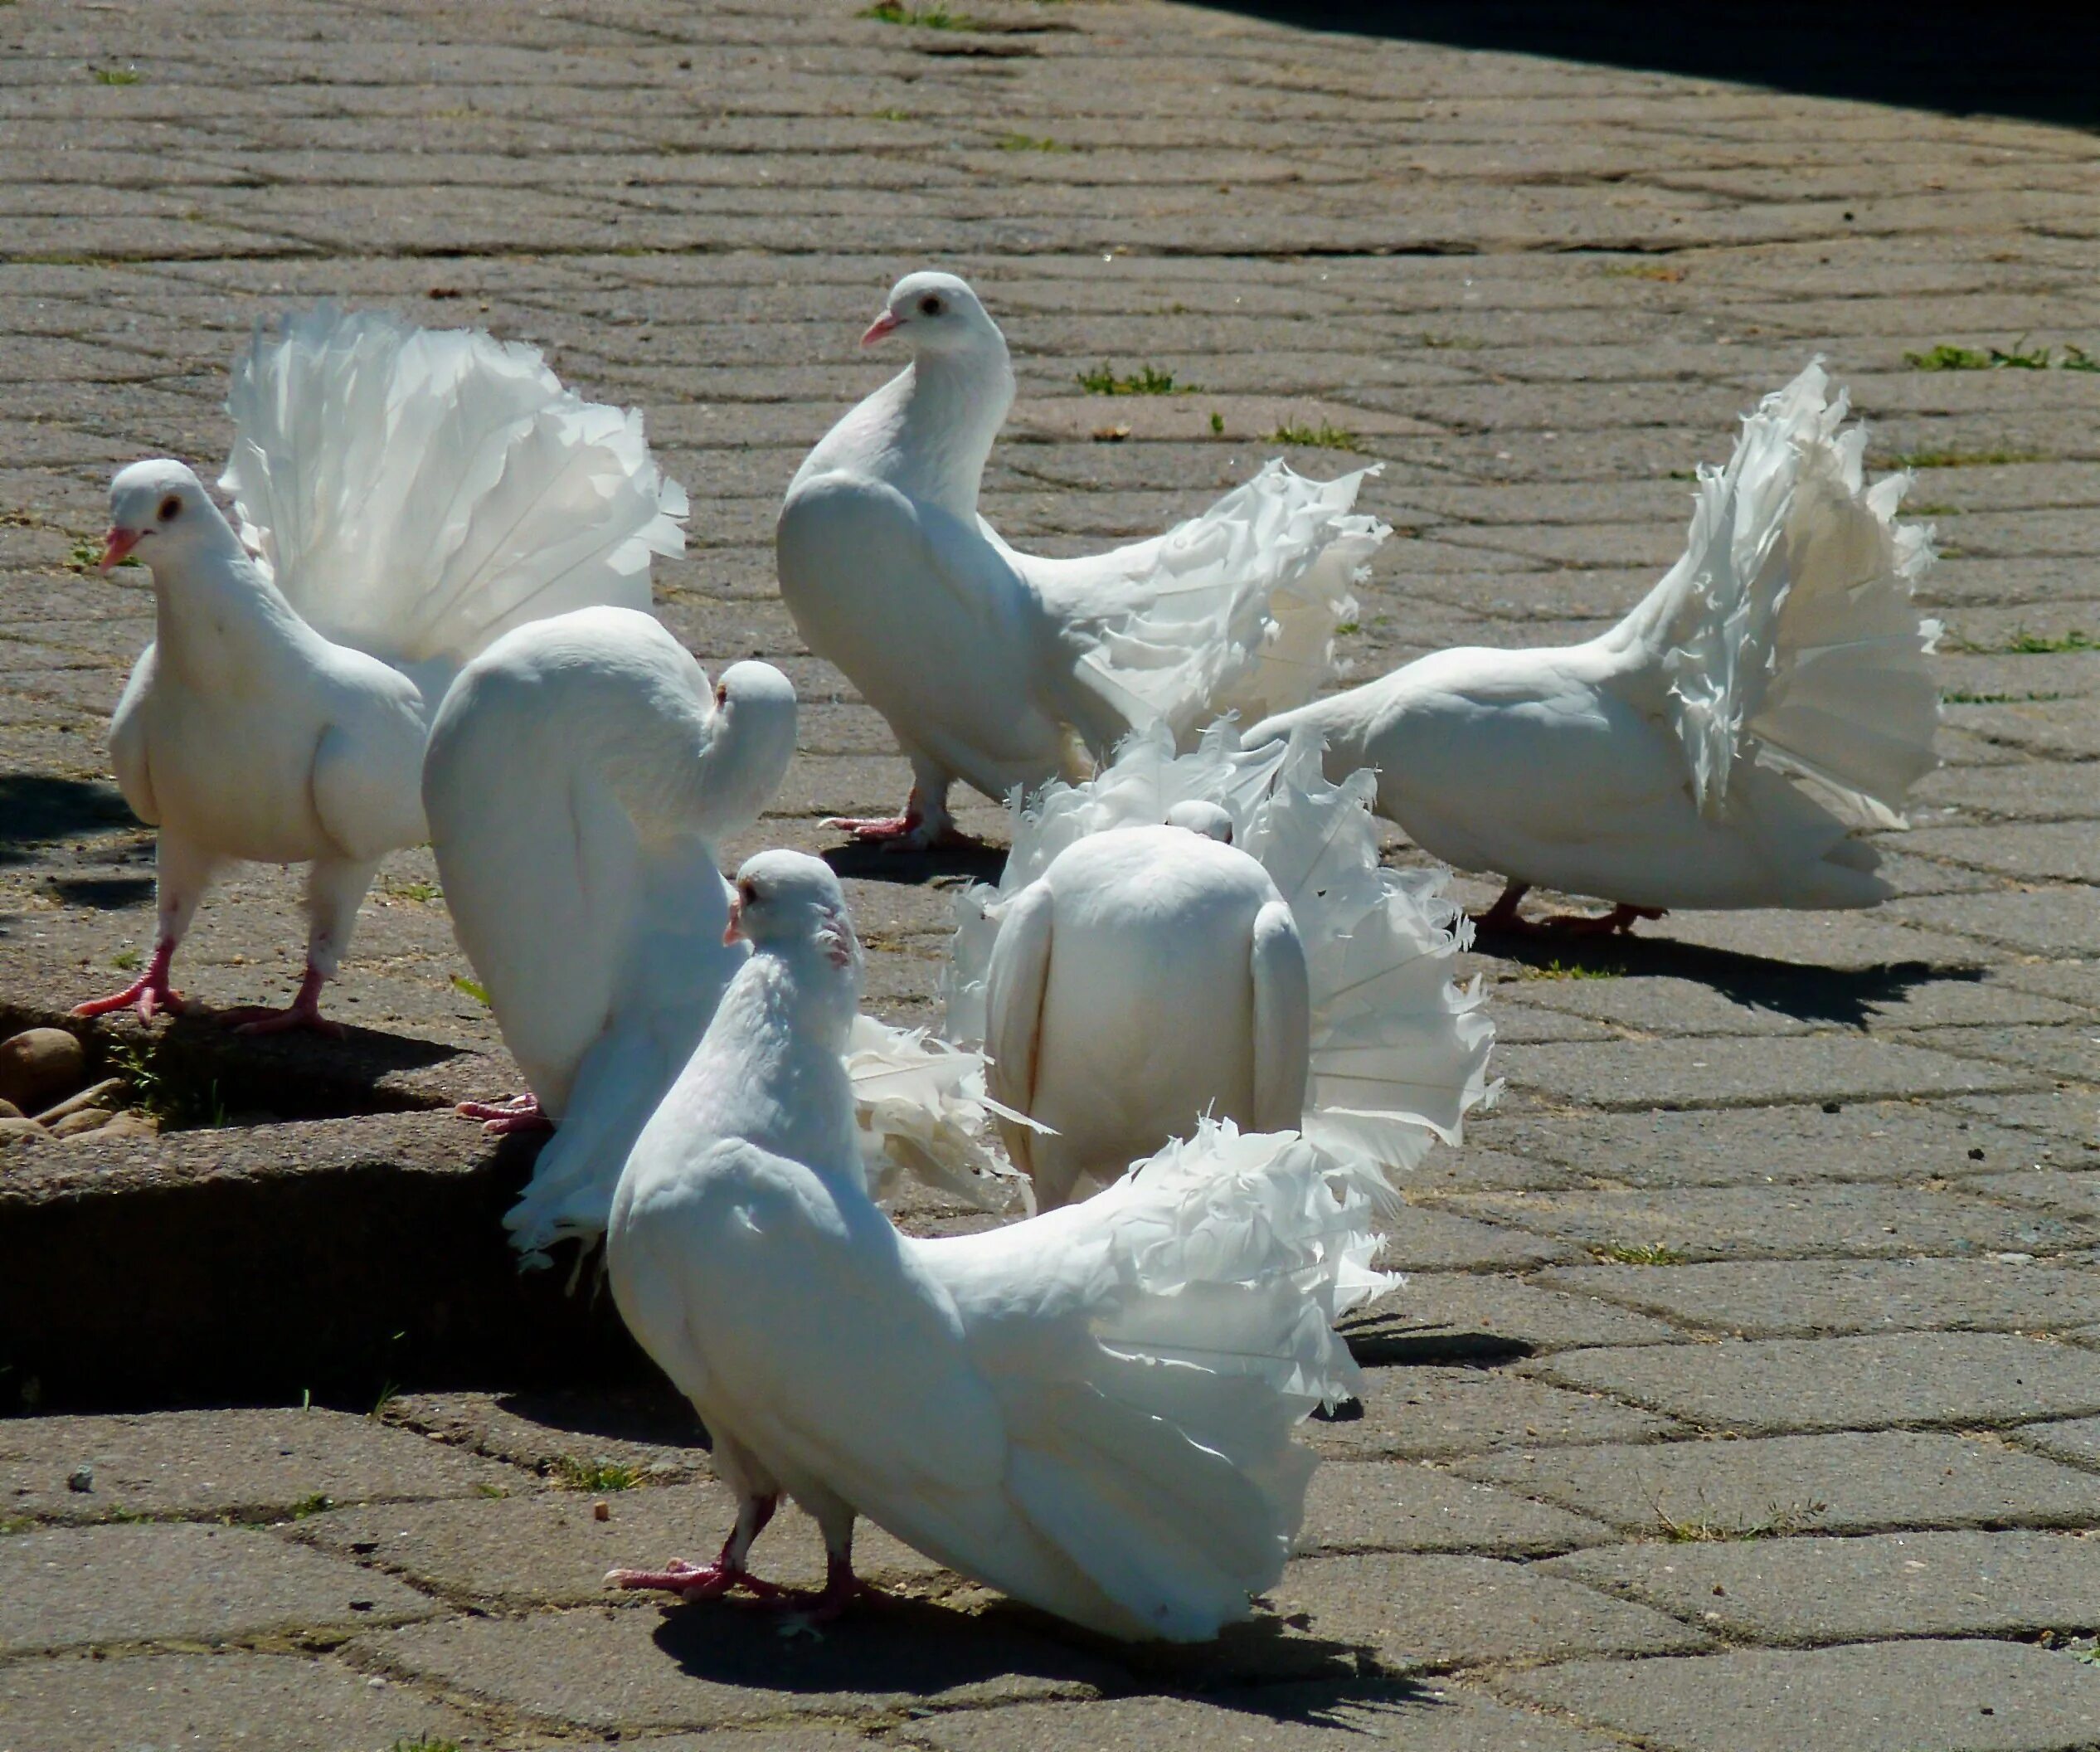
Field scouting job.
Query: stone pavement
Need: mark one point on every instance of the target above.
(1746, 1391)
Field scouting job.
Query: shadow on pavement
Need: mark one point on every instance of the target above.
(2013, 61)
(37, 808)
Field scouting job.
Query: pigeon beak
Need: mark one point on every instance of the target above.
(116, 545)
(734, 928)
(885, 324)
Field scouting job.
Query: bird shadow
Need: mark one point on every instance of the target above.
(976, 862)
(1848, 996)
(37, 808)
(1942, 58)
(920, 1651)
(651, 1414)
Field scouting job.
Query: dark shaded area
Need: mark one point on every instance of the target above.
(880, 864)
(105, 894)
(1845, 995)
(37, 808)
(1383, 1343)
(261, 1287)
(2015, 61)
(657, 1414)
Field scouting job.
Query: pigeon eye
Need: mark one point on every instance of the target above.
(721, 693)
(747, 891)
(170, 507)
(930, 305)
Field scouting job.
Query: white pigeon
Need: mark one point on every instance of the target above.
(1721, 746)
(580, 775)
(406, 497)
(1003, 668)
(1127, 977)
(1091, 1409)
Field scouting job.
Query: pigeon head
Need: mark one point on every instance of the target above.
(786, 900)
(936, 313)
(753, 741)
(159, 510)
(1210, 820)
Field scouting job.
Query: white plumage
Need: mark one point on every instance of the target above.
(1002, 669)
(1721, 746)
(405, 498)
(580, 775)
(1091, 1409)
(1127, 977)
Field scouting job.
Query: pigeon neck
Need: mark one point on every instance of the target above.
(953, 406)
(217, 618)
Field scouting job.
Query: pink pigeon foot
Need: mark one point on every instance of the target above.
(304, 1011)
(500, 1118)
(905, 833)
(698, 1581)
(842, 1588)
(148, 991)
(1620, 919)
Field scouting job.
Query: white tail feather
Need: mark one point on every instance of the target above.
(417, 492)
(1399, 1051)
(921, 1109)
(1234, 609)
(1789, 632)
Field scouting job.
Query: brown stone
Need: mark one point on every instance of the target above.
(40, 1066)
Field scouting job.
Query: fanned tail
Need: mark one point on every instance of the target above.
(1234, 611)
(1399, 1050)
(1158, 1460)
(1788, 633)
(921, 1109)
(418, 493)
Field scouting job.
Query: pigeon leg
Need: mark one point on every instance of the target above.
(711, 1581)
(1620, 917)
(149, 991)
(925, 824)
(498, 1118)
(1503, 916)
(182, 873)
(304, 1011)
(841, 1588)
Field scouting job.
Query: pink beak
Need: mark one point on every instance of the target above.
(734, 928)
(116, 545)
(884, 324)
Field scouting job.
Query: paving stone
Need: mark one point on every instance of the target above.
(64, 1586)
(1849, 1590)
(1771, 1386)
(2054, 921)
(1786, 1298)
(2075, 1439)
(1277, 1718)
(1726, 1072)
(2076, 1195)
(1422, 1412)
(289, 1702)
(1868, 1140)
(1967, 1696)
(651, 1429)
(1416, 1612)
(1847, 1483)
(1465, 1316)
(549, 1546)
(1789, 1221)
(252, 1465)
(1392, 1506)
(716, 1663)
(1420, 1239)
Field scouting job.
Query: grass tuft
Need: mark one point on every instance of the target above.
(2019, 357)
(572, 1474)
(1560, 970)
(1961, 698)
(319, 1503)
(178, 1100)
(1653, 1253)
(116, 76)
(1031, 143)
(2024, 644)
(922, 17)
(422, 891)
(1779, 1523)
(894, 115)
(1147, 380)
(1647, 271)
(1321, 437)
(473, 988)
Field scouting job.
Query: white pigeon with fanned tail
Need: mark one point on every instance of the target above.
(1001, 668)
(1091, 1410)
(581, 773)
(1724, 744)
(405, 498)
(1126, 976)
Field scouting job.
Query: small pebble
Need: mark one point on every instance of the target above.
(39, 1065)
(81, 1478)
(601, 1512)
(82, 1119)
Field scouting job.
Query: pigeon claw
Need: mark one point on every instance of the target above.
(841, 1590)
(695, 1581)
(500, 1118)
(146, 993)
(1620, 919)
(302, 1012)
